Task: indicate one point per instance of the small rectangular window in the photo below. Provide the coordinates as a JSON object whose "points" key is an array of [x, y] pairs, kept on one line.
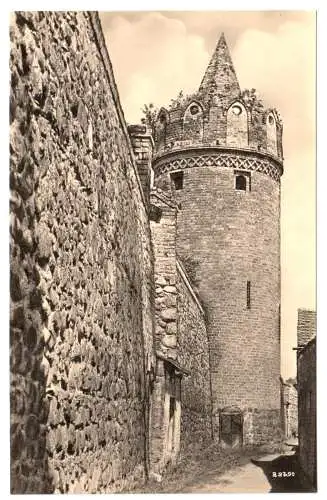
{"points": [[242, 180], [177, 178], [248, 294]]}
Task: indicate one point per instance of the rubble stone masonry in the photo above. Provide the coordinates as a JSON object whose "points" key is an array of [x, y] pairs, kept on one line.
{"points": [[181, 339], [289, 409], [193, 354], [81, 261]]}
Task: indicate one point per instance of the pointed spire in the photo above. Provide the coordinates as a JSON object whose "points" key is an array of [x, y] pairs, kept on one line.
{"points": [[220, 78]]}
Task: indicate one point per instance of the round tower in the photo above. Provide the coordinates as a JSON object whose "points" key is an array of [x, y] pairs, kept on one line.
{"points": [[220, 151]]}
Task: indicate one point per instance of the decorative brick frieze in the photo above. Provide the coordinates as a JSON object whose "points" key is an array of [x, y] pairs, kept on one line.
{"points": [[193, 158]]}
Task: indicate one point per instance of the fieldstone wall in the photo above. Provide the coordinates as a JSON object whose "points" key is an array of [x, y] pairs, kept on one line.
{"points": [[163, 231], [81, 264], [181, 345], [261, 426], [193, 354], [289, 410]]}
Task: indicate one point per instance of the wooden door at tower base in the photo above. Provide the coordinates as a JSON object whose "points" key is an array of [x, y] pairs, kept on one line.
{"points": [[231, 430]]}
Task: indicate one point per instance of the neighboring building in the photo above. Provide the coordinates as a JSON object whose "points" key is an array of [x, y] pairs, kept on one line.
{"points": [[306, 385], [289, 410], [220, 152], [145, 271]]}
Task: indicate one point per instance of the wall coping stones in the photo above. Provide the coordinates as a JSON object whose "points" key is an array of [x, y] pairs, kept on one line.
{"points": [[141, 131], [184, 277]]}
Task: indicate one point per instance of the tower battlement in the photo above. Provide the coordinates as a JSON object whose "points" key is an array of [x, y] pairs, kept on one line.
{"points": [[219, 114]]}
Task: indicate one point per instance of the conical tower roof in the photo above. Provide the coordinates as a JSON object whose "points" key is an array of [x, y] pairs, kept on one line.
{"points": [[220, 78]]}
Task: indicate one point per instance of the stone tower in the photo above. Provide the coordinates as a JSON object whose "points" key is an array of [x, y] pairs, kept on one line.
{"points": [[220, 151]]}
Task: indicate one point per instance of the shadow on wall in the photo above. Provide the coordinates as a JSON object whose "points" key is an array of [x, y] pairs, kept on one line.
{"points": [[28, 403], [293, 482]]}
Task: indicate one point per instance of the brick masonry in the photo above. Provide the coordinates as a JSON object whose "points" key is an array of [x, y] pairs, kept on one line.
{"points": [[219, 114], [233, 237], [142, 143], [230, 239], [81, 261], [306, 326]]}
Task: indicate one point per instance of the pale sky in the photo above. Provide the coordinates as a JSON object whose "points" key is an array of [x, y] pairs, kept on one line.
{"points": [[157, 54]]}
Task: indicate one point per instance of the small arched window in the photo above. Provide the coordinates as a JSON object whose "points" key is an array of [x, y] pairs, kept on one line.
{"points": [[271, 134], [240, 182], [193, 123], [237, 125]]}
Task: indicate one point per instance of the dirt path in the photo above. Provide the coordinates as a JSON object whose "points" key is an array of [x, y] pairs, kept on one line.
{"points": [[248, 478], [213, 470], [257, 476]]}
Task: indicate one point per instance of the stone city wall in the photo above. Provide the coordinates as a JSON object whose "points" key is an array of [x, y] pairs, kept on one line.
{"points": [[163, 231], [193, 354], [81, 322]]}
